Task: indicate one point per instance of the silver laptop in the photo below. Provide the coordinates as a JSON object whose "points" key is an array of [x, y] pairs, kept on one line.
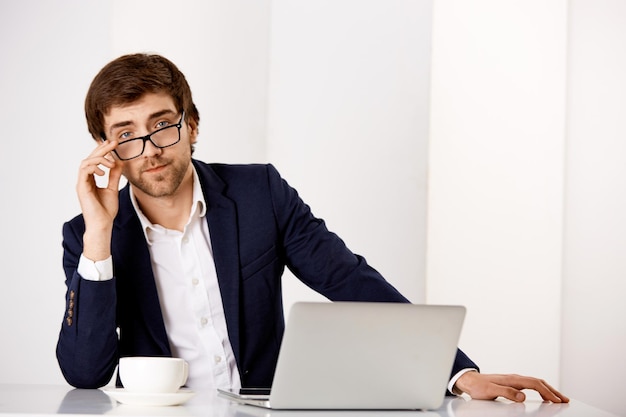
{"points": [[357, 355]]}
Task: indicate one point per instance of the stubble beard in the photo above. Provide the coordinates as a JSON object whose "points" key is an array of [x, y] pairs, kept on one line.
{"points": [[163, 184]]}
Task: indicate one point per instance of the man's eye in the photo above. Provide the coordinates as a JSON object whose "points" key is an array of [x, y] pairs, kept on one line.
{"points": [[125, 135], [162, 124]]}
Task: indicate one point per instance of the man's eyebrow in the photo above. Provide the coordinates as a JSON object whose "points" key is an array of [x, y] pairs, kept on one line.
{"points": [[120, 124], [153, 116], [160, 113]]}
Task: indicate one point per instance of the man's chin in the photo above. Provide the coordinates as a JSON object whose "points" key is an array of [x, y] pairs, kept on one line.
{"points": [[156, 187]]}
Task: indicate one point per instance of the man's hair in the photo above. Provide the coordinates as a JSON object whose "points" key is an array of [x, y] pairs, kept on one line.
{"points": [[126, 79]]}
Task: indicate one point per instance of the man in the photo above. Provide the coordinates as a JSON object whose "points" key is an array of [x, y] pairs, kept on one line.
{"points": [[186, 260]]}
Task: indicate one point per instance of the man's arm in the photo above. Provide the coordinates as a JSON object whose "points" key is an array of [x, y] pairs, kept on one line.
{"points": [[318, 257], [321, 259], [87, 346]]}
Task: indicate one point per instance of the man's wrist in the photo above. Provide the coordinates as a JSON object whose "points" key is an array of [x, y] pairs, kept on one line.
{"points": [[452, 384], [97, 244], [95, 270]]}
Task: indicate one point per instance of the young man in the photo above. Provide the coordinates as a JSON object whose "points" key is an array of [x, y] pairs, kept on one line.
{"points": [[186, 260]]}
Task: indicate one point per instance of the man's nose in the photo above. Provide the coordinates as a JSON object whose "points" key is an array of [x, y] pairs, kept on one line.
{"points": [[150, 149]]}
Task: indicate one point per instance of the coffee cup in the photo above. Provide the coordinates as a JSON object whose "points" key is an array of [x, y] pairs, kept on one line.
{"points": [[144, 374]]}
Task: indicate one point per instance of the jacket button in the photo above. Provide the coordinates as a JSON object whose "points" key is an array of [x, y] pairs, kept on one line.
{"points": [[69, 321]]}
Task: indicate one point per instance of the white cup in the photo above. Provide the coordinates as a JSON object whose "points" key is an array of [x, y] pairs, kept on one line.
{"points": [[144, 374]]}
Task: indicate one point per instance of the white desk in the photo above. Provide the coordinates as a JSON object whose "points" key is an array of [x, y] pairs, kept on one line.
{"points": [[51, 400]]}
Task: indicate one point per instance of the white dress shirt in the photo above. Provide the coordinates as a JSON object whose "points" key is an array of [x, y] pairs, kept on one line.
{"points": [[191, 303]]}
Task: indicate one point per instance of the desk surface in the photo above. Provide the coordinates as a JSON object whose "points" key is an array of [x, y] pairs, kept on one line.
{"points": [[50, 400]]}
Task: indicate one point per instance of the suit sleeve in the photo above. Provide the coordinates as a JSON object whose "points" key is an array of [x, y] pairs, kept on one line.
{"points": [[318, 257], [321, 260], [87, 346]]}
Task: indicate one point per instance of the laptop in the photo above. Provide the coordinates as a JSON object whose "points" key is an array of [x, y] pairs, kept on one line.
{"points": [[361, 356]]}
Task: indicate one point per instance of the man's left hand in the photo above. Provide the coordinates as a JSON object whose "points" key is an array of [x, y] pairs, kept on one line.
{"points": [[491, 386]]}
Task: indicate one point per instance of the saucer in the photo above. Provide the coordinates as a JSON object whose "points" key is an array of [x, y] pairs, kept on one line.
{"points": [[149, 399]]}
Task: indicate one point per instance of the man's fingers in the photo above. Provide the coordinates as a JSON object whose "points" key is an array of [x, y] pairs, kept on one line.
{"points": [[547, 392], [496, 390], [103, 150], [550, 394], [115, 173], [99, 157], [513, 394]]}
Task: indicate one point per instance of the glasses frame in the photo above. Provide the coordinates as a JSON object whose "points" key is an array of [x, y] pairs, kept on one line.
{"points": [[148, 137]]}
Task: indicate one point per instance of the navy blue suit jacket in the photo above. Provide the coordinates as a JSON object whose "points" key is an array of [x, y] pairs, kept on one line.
{"points": [[258, 226]]}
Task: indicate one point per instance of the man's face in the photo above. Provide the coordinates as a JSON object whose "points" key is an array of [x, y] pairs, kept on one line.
{"points": [[158, 172]]}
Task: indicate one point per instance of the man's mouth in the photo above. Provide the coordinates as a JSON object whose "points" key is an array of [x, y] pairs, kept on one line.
{"points": [[155, 169]]}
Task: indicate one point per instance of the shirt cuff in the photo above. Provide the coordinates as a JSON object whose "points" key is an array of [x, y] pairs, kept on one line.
{"points": [[454, 390], [95, 270]]}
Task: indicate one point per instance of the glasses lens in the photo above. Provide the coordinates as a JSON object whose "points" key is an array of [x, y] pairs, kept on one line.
{"points": [[166, 136], [163, 138], [130, 149]]}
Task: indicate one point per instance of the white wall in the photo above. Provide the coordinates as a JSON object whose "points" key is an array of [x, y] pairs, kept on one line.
{"points": [[496, 163], [348, 125], [526, 172], [49, 55], [594, 324]]}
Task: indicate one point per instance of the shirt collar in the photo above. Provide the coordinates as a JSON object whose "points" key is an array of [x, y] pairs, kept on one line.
{"points": [[198, 208]]}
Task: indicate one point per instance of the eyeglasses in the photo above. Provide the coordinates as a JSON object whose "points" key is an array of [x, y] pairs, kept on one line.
{"points": [[161, 138]]}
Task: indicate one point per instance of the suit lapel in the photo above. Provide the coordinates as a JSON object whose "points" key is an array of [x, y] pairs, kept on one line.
{"points": [[222, 221], [139, 297]]}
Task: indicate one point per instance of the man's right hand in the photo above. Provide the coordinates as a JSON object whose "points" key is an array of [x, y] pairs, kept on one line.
{"points": [[99, 205]]}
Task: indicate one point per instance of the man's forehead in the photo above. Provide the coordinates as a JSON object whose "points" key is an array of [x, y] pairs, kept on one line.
{"points": [[141, 110]]}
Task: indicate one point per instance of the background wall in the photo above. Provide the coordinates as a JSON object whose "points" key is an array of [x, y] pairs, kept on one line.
{"points": [[49, 52], [594, 267], [496, 167], [348, 125], [470, 150]]}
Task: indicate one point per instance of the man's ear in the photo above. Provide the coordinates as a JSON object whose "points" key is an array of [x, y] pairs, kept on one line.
{"points": [[193, 131]]}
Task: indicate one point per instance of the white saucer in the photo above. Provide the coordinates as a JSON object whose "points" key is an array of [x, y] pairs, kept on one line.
{"points": [[149, 399]]}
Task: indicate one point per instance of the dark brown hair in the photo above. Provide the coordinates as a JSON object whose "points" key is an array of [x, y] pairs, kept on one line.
{"points": [[127, 79]]}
